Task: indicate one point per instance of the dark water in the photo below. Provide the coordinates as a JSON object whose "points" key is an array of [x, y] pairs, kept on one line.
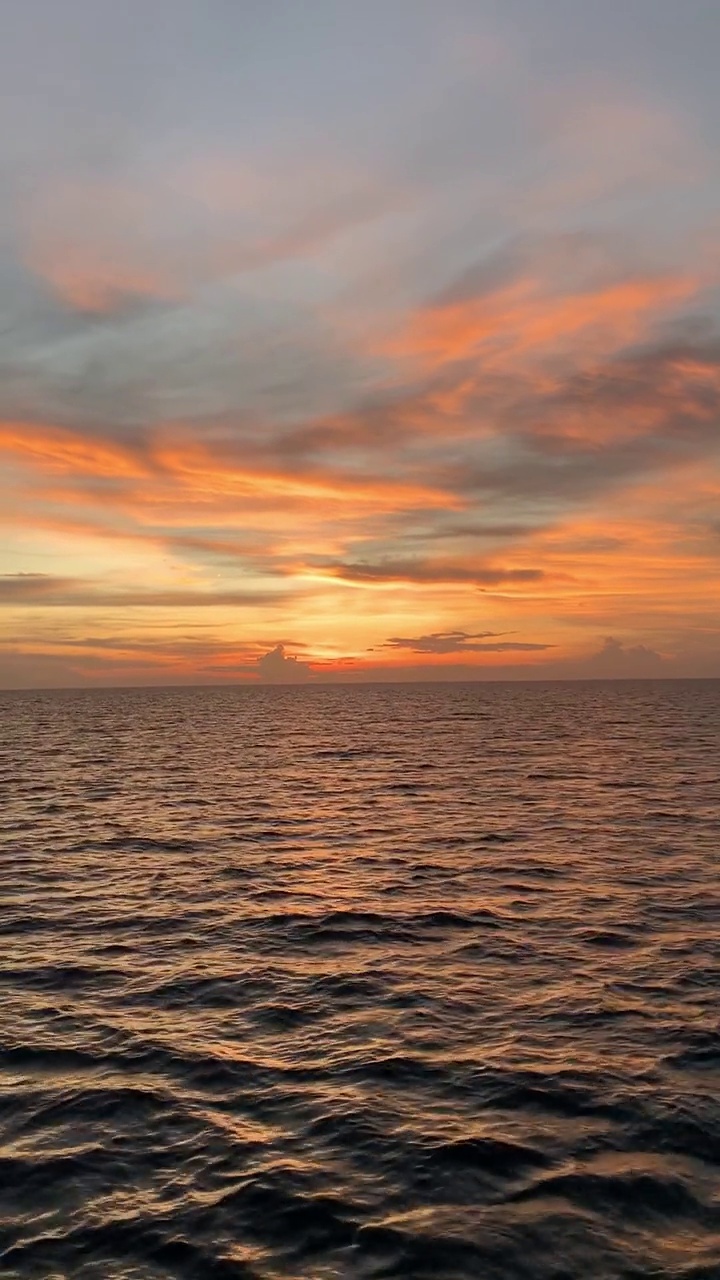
{"points": [[352, 982]]}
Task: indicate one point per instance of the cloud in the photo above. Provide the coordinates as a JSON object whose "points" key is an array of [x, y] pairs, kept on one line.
{"points": [[103, 245], [281, 668], [34, 588], [42, 589], [66, 451], [94, 284], [62, 664], [510, 415], [545, 305], [417, 571], [615, 659], [519, 396], [186, 464], [460, 642]]}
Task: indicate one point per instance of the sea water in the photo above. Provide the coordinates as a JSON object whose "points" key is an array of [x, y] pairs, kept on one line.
{"points": [[361, 981]]}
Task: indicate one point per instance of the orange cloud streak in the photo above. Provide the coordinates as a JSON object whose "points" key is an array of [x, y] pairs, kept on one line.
{"points": [[58, 450], [522, 318], [202, 470], [177, 479]]}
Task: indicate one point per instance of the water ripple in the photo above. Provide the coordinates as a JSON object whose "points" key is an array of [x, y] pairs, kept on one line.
{"points": [[373, 982]]}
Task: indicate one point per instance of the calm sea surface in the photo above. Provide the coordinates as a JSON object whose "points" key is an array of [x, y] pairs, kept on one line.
{"points": [[402, 981]]}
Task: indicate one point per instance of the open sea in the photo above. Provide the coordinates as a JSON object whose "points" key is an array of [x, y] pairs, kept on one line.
{"points": [[361, 981]]}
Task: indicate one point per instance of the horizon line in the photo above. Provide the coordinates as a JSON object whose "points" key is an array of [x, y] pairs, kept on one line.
{"points": [[355, 684]]}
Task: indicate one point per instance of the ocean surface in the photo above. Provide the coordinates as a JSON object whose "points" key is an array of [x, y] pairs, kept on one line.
{"points": [[373, 981]]}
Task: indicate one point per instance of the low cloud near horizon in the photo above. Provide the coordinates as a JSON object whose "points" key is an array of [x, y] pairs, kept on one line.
{"points": [[278, 666], [87, 662], [461, 642]]}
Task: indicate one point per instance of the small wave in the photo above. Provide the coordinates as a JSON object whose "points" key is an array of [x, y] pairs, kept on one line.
{"points": [[614, 939], [637, 1195], [360, 983], [491, 1155]]}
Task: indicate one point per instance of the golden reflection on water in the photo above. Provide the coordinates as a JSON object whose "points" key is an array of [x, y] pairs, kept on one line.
{"points": [[414, 981]]}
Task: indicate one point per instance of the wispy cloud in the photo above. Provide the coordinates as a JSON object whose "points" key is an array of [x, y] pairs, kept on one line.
{"points": [[103, 247], [44, 590], [528, 317], [439, 363], [461, 642], [438, 574]]}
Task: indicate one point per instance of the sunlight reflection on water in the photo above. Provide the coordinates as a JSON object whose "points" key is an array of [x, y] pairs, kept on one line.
{"points": [[406, 980]]}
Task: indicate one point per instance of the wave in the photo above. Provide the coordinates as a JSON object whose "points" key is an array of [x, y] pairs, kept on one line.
{"points": [[358, 984]]}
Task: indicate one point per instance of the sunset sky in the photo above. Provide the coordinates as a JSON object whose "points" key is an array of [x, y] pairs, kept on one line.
{"points": [[359, 340]]}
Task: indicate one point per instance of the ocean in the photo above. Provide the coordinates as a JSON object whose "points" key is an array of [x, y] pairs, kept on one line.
{"points": [[361, 981]]}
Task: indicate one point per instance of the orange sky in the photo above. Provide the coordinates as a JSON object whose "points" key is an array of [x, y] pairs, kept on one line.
{"points": [[436, 398]]}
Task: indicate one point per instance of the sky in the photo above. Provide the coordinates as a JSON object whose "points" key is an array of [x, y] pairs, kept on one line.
{"points": [[350, 341]]}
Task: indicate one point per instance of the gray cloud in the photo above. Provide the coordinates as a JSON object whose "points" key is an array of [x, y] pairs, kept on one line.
{"points": [[460, 642], [423, 572], [553, 443], [44, 590], [203, 265], [35, 588], [279, 667], [616, 659]]}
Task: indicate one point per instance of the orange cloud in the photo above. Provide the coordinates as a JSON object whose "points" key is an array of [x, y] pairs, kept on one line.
{"points": [[88, 240], [431, 573], [197, 472], [526, 318], [203, 470], [650, 561], [92, 281], [100, 245], [179, 494], [60, 450]]}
